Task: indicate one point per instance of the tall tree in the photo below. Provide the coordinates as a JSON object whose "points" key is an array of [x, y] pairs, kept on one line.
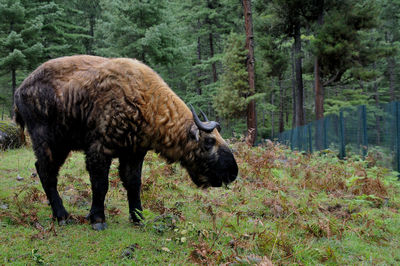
{"points": [[92, 12], [274, 53], [137, 29], [390, 29], [250, 62], [343, 45], [289, 20], [230, 101], [319, 89], [208, 23], [19, 45]]}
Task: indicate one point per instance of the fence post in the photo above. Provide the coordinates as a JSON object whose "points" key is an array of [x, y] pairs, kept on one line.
{"points": [[397, 137], [291, 139], [364, 130], [309, 138], [342, 146]]}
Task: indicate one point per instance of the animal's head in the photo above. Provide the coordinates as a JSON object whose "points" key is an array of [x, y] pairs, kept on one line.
{"points": [[210, 161]]}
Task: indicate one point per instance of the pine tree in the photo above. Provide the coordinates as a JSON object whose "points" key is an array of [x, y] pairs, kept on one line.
{"points": [[19, 44], [230, 101], [274, 54], [390, 31], [289, 19], [88, 13], [137, 29], [344, 46], [207, 23]]}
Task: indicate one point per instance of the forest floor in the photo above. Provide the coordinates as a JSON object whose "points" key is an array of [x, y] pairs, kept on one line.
{"points": [[285, 208]]}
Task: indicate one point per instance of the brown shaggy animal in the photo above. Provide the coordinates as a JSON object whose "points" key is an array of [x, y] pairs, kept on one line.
{"points": [[114, 108]]}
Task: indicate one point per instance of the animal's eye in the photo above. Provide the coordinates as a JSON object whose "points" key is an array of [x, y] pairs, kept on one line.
{"points": [[209, 143]]}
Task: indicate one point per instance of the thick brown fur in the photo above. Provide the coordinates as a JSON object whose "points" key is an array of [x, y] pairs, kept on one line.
{"points": [[111, 108]]}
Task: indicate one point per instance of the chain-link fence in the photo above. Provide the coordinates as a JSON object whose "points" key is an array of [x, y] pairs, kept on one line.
{"points": [[373, 130]]}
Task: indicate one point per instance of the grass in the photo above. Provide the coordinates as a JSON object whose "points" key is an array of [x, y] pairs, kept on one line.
{"points": [[285, 208]]}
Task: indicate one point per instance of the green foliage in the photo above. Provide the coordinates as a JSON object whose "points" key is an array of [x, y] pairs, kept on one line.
{"points": [[346, 98], [231, 95], [11, 41], [137, 29], [186, 42], [275, 56]]}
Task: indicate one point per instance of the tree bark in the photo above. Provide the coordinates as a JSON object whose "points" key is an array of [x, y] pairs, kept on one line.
{"points": [[294, 122], [281, 104], [319, 89], [213, 65], [300, 120], [251, 107], [92, 23], [13, 86], [377, 118], [272, 116], [319, 92], [199, 74], [391, 65]]}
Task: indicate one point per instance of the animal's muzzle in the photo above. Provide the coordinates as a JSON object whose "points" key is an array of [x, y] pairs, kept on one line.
{"points": [[228, 169]]}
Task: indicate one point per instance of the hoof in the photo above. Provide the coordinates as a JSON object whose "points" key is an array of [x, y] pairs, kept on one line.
{"points": [[99, 226], [136, 223], [136, 219], [65, 221]]}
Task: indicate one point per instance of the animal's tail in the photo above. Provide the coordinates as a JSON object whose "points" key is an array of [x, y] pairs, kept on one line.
{"points": [[18, 118], [20, 122]]}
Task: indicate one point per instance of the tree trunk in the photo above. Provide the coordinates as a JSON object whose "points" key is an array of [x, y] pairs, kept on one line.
{"points": [[213, 65], [391, 65], [319, 90], [281, 104], [199, 74], [92, 23], [13, 86], [377, 118], [294, 122], [300, 121], [319, 93], [272, 116], [251, 107]]}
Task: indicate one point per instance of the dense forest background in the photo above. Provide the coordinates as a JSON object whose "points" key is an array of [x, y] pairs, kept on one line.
{"points": [[311, 57]]}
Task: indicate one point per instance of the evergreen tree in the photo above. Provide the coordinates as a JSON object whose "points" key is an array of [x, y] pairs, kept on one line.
{"points": [[90, 11], [289, 19], [19, 44], [274, 54], [390, 32], [344, 45], [207, 25], [137, 29], [230, 101]]}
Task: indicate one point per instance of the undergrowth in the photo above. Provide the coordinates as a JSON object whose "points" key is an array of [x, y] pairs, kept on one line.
{"points": [[284, 208]]}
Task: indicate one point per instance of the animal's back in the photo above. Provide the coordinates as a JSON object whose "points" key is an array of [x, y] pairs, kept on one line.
{"points": [[39, 91], [80, 97], [52, 97]]}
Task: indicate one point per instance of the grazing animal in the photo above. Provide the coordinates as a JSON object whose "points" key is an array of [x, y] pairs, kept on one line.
{"points": [[114, 108]]}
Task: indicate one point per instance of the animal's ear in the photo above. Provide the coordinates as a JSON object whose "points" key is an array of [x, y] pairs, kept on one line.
{"points": [[194, 132]]}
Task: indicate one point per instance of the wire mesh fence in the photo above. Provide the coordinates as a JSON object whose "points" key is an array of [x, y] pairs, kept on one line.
{"points": [[362, 130]]}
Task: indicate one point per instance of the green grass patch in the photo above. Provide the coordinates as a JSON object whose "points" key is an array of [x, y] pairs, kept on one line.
{"points": [[285, 208]]}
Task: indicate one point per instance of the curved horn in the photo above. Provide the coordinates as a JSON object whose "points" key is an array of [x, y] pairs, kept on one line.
{"points": [[202, 126], [204, 116]]}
